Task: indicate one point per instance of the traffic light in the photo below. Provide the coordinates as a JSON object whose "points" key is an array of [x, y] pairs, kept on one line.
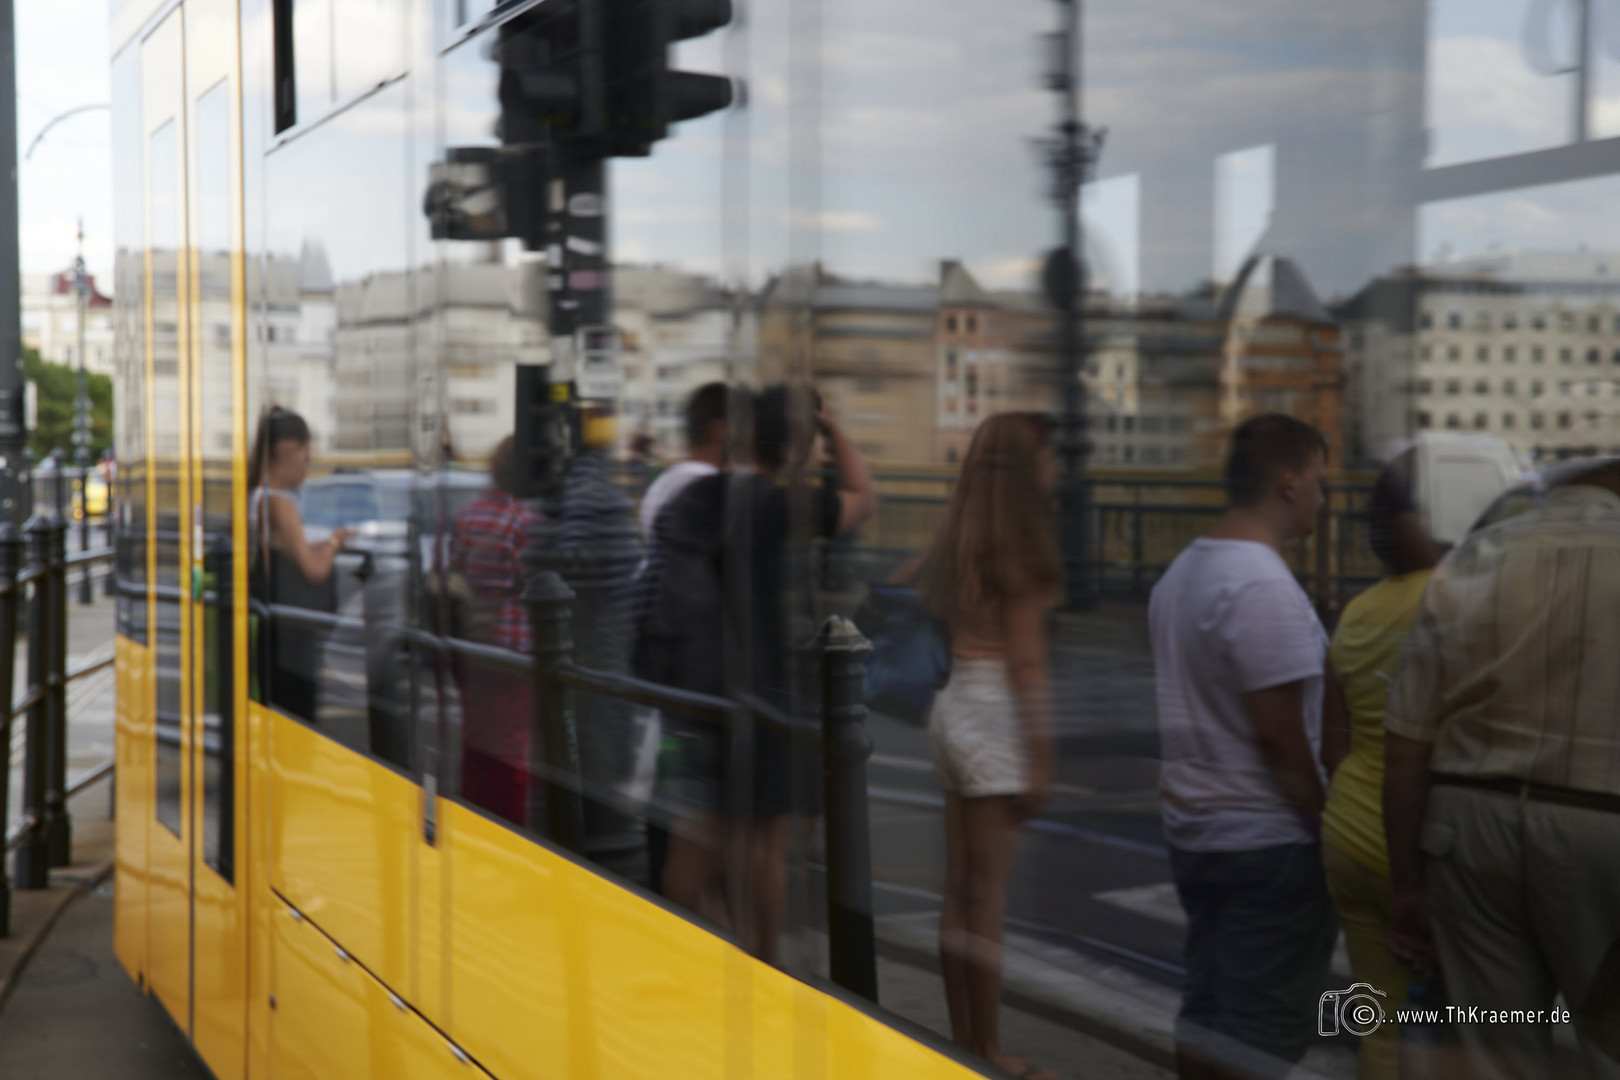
{"points": [[642, 96], [488, 192], [545, 431]]}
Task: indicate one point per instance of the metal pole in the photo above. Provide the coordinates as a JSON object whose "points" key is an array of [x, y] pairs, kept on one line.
{"points": [[1073, 152], [81, 418], [10, 556], [33, 870], [846, 746], [13, 435], [553, 740], [58, 825]]}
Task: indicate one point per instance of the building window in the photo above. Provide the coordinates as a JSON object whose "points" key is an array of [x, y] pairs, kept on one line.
{"points": [[1481, 386], [1152, 425], [1425, 386], [1616, 357], [1453, 387], [1566, 321], [1130, 452], [1536, 388], [1565, 356], [1593, 325], [1510, 321], [973, 324], [1535, 421], [972, 384], [1507, 421], [1593, 356], [1454, 321], [1510, 355], [1481, 422], [1563, 420], [1423, 419], [1482, 321], [1426, 320], [1113, 422], [1453, 353], [1453, 421], [950, 324], [1130, 424], [1482, 354], [1538, 355], [950, 365], [950, 455], [1538, 322], [1509, 387]]}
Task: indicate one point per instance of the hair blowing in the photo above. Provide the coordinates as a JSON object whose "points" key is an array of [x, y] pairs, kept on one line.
{"points": [[996, 541], [275, 425]]}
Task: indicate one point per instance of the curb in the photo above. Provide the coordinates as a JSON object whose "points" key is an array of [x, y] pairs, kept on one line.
{"points": [[68, 883]]}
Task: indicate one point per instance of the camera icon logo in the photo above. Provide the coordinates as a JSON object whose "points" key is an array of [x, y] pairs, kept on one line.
{"points": [[1358, 1009]]}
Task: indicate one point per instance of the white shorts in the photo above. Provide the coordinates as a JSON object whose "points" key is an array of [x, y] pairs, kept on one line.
{"points": [[977, 741]]}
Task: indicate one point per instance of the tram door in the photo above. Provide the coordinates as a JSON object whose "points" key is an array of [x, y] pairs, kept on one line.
{"points": [[196, 907]]}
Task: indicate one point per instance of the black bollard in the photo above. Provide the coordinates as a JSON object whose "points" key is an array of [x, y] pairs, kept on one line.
{"points": [[33, 869], [11, 550], [58, 824], [846, 746], [554, 770]]}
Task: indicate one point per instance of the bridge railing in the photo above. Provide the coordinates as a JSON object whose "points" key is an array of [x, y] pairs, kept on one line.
{"points": [[34, 572]]}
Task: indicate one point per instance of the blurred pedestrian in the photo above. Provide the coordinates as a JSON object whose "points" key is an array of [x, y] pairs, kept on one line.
{"points": [[487, 540], [1502, 781], [284, 568], [1362, 661], [712, 619], [705, 452], [991, 574], [1238, 653]]}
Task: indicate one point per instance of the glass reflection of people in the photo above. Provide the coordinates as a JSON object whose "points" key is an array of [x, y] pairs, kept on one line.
{"points": [[286, 569], [991, 574], [486, 553], [742, 522], [1238, 654], [1502, 782], [1362, 661]]}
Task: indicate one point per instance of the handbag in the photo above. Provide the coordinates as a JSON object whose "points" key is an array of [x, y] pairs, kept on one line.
{"points": [[911, 653]]}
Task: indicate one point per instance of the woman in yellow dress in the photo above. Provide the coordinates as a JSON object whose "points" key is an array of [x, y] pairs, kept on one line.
{"points": [[1362, 660]]}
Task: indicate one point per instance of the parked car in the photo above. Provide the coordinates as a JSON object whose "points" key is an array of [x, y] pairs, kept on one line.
{"points": [[365, 673], [1532, 489], [1455, 476]]}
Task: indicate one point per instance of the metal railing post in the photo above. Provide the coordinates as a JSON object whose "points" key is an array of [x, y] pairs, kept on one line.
{"points": [[110, 525], [10, 557], [846, 746], [85, 594], [58, 825], [33, 869], [553, 738]]}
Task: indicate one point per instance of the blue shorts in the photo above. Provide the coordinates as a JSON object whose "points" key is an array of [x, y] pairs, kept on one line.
{"points": [[1260, 934]]}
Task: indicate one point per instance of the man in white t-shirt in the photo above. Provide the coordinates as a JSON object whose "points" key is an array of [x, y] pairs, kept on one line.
{"points": [[705, 453], [1238, 653]]}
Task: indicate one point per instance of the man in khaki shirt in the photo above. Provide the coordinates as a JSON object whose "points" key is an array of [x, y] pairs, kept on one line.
{"points": [[1502, 782]]}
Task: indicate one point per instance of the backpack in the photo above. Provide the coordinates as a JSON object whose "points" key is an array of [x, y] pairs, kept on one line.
{"points": [[911, 653]]}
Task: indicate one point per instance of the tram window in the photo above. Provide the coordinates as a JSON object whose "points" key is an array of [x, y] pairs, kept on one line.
{"points": [[215, 438], [129, 347], [339, 658], [163, 237]]}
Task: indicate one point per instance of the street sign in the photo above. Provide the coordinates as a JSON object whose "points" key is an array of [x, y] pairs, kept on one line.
{"points": [[598, 375]]}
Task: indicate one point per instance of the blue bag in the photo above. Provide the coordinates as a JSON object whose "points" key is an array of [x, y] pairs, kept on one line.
{"points": [[911, 653]]}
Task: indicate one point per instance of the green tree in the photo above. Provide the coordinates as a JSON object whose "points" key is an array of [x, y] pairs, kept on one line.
{"points": [[56, 386]]}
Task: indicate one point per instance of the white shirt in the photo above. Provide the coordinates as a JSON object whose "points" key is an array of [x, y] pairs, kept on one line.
{"points": [[668, 485], [1226, 619]]}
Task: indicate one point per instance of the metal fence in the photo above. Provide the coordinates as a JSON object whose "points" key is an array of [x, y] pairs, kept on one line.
{"points": [[34, 572], [1139, 524]]}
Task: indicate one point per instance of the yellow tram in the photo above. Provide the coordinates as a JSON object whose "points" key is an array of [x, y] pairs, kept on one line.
{"points": [[300, 904]]}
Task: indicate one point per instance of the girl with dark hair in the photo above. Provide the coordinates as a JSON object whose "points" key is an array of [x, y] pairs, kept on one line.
{"points": [[991, 574], [285, 568]]}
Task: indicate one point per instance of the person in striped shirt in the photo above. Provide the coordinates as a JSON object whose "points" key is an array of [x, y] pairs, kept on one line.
{"points": [[1502, 780]]}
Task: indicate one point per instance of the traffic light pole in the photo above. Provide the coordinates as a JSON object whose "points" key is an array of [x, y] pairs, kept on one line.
{"points": [[13, 434], [1072, 154]]}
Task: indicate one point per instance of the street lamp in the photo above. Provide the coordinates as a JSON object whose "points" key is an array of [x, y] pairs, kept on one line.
{"points": [[1070, 154], [81, 415]]}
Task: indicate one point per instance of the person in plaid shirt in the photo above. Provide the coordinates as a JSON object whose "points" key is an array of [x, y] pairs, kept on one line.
{"points": [[486, 552]]}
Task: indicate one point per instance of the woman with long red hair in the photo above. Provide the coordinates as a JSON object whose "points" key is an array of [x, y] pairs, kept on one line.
{"points": [[991, 574]]}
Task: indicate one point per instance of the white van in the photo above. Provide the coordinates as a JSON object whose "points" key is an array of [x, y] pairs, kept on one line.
{"points": [[1456, 475]]}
